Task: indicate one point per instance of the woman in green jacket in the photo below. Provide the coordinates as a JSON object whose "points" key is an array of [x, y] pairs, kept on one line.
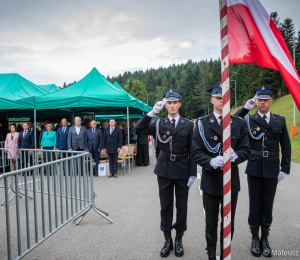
{"points": [[48, 142]]}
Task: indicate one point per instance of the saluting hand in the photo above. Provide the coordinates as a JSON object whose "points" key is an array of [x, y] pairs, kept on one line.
{"points": [[251, 103], [159, 106]]}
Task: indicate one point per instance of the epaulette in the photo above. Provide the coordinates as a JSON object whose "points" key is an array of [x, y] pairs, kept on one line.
{"points": [[238, 117], [188, 120], [203, 117]]}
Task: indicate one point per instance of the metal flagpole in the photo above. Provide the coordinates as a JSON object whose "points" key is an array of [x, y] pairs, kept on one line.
{"points": [[293, 128], [226, 132], [34, 128], [128, 140]]}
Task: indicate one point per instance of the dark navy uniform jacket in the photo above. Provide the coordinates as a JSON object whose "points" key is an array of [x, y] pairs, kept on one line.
{"points": [[182, 144], [275, 133], [212, 179]]}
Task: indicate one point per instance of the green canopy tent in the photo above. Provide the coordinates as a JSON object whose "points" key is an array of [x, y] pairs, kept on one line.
{"points": [[92, 95], [17, 92], [50, 88]]}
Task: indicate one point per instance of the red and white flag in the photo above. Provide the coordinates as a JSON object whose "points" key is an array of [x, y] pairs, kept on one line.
{"points": [[253, 37]]}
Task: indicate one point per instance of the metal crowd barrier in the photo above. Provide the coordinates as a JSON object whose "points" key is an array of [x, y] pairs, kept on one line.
{"points": [[62, 190], [4, 162]]}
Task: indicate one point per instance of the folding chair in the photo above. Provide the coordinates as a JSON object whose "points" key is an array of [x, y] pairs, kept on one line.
{"points": [[103, 156], [134, 152], [130, 153], [122, 158]]}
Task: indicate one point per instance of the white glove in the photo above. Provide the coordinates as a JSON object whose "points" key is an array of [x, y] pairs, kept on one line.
{"points": [[191, 181], [159, 106], [217, 162], [250, 103], [281, 175], [233, 155]]}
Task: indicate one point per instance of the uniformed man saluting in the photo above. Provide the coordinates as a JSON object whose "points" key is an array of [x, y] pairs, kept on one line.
{"points": [[266, 131], [207, 152], [174, 168]]}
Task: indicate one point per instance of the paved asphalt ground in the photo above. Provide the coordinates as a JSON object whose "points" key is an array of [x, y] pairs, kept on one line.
{"points": [[133, 205]]}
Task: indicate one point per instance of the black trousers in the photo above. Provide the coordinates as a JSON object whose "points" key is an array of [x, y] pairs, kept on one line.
{"points": [[113, 162], [211, 204], [261, 199], [96, 157], [166, 195]]}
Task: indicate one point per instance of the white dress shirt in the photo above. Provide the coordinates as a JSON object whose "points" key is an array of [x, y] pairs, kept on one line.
{"points": [[176, 119], [217, 116], [267, 115], [77, 129]]}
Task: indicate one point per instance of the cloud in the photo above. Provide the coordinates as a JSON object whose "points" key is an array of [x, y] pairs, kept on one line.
{"points": [[57, 41]]}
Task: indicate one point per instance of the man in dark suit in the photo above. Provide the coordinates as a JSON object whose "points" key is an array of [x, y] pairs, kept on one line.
{"points": [[34, 130], [26, 141], [112, 145], [102, 129], [77, 136], [175, 169], [207, 151], [93, 142], [62, 136], [264, 170]]}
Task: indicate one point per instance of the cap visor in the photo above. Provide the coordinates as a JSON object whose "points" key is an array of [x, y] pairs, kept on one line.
{"points": [[264, 97], [173, 99]]}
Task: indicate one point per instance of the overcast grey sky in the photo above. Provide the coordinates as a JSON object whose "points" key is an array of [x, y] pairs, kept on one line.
{"points": [[56, 41]]}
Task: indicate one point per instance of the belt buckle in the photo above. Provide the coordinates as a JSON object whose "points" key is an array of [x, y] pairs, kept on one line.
{"points": [[173, 157], [265, 154]]}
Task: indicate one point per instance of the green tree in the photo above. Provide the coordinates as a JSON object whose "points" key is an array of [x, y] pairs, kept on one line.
{"points": [[137, 89]]}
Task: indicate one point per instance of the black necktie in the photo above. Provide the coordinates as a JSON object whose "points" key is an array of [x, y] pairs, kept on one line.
{"points": [[265, 118], [173, 123], [221, 122]]}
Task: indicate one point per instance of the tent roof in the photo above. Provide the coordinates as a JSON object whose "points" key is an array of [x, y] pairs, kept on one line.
{"points": [[17, 92], [94, 90], [50, 87]]}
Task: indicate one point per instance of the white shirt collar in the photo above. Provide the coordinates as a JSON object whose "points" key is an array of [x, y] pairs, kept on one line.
{"points": [[267, 115], [216, 115], [77, 126], [176, 119]]}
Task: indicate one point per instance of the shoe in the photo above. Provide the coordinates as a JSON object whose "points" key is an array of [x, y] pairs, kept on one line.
{"points": [[264, 243], [116, 176], [255, 248], [110, 176], [178, 244], [211, 252], [168, 245]]}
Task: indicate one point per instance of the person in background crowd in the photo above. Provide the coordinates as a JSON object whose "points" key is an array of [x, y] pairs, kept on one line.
{"points": [[31, 128], [142, 154], [123, 133], [93, 142], [3, 128], [104, 126], [48, 141], [126, 133], [133, 136], [26, 141], [19, 128], [62, 136], [77, 136], [112, 146], [43, 129], [11, 143]]}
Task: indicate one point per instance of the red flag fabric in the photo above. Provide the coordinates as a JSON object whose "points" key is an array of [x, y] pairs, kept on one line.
{"points": [[253, 37]]}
